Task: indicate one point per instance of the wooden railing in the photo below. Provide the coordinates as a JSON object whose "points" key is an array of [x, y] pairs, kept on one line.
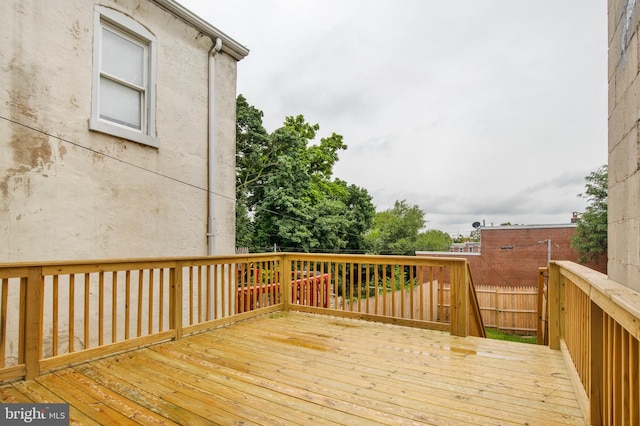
{"points": [[55, 314], [596, 323]]}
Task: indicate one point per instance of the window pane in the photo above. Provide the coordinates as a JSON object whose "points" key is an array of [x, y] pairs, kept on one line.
{"points": [[120, 104], [122, 58]]}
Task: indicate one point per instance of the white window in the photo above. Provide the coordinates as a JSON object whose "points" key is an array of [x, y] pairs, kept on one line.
{"points": [[123, 97]]}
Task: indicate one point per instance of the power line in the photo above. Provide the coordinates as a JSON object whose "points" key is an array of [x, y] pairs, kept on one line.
{"points": [[128, 163]]}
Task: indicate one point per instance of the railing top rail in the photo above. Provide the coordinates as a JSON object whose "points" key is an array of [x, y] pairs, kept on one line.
{"points": [[618, 301], [234, 258], [375, 258]]}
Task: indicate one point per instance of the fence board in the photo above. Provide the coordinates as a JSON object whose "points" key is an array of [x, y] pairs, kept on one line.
{"points": [[508, 309]]}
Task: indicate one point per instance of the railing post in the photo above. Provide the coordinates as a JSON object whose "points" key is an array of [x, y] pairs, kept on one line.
{"points": [[33, 320], [285, 290], [540, 306], [459, 300], [175, 301], [556, 306]]}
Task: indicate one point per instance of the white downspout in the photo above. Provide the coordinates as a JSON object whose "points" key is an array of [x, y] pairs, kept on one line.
{"points": [[211, 221]]}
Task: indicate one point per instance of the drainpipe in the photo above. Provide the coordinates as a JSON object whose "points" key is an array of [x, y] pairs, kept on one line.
{"points": [[211, 221]]}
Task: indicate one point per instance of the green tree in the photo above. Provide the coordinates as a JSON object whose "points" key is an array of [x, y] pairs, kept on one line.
{"points": [[397, 231], [285, 192], [433, 240], [590, 237]]}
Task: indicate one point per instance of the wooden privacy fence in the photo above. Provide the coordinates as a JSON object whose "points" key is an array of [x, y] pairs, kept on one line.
{"points": [[595, 322], [509, 309], [54, 314]]}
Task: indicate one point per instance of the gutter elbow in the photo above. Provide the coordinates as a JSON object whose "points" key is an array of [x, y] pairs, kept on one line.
{"points": [[217, 45]]}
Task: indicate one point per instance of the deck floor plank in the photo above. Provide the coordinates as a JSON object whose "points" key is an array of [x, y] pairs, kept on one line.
{"points": [[162, 408], [85, 403], [441, 392], [38, 393], [212, 388], [295, 368], [393, 404], [418, 360]]}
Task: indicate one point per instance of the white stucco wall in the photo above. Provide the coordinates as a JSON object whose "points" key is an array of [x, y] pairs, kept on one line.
{"points": [[70, 193]]}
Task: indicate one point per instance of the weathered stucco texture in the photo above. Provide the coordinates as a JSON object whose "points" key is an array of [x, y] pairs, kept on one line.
{"points": [[70, 193], [624, 153]]}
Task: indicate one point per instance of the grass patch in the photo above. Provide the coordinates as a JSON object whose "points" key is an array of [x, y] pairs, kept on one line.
{"points": [[492, 333]]}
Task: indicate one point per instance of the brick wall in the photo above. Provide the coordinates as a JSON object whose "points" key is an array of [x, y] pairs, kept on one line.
{"points": [[511, 255]]}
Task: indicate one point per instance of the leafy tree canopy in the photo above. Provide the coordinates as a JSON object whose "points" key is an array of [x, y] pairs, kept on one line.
{"points": [[285, 193], [590, 237], [397, 231]]}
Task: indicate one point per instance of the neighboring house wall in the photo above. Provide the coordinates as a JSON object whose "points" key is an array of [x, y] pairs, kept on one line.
{"points": [[624, 143], [67, 192], [511, 255]]}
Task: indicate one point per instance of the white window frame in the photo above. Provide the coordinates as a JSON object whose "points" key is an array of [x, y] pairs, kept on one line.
{"points": [[114, 20]]}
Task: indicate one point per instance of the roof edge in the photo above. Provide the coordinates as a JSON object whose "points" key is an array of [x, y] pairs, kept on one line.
{"points": [[229, 45], [503, 227]]}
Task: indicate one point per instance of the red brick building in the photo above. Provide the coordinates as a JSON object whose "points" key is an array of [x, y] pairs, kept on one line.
{"points": [[511, 255]]}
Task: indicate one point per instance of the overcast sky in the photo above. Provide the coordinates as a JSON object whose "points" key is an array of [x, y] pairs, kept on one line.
{"points": [[474, 110]]}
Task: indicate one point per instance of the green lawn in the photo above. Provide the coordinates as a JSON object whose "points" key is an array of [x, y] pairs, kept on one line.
{"points": [[492, 333]]}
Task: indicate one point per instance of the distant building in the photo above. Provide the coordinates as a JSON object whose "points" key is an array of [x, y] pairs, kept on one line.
{"points": [[466, 247], [511, 255]]}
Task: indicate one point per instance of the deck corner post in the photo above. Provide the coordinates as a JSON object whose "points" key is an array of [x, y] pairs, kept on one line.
{"points": [[459, 300], [555, 309], [175, 301], [32, 321]]}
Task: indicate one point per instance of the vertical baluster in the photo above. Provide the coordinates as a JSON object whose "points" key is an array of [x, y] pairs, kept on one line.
{"points": [[87, 293], [55, 317], [190, 295], [101, 308], [239, 288], [114, 306], [421, 315], [441, 316], [72, 297], [376, 289], [393, 289], [4, 284], [383, 277], [227, 300], [253, 284], [411, 289], [151, 290], [634, 382], [432, 301], [140, 300], [127, 305], [208, 292], [199, 271], [215, 293], [161, 301]]}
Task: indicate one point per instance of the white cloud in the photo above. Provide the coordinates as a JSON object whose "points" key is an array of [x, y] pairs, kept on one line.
{"points": [[473, 109]]}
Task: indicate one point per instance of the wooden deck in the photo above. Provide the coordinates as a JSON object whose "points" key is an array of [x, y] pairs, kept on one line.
{"points": [[295, 368]]}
